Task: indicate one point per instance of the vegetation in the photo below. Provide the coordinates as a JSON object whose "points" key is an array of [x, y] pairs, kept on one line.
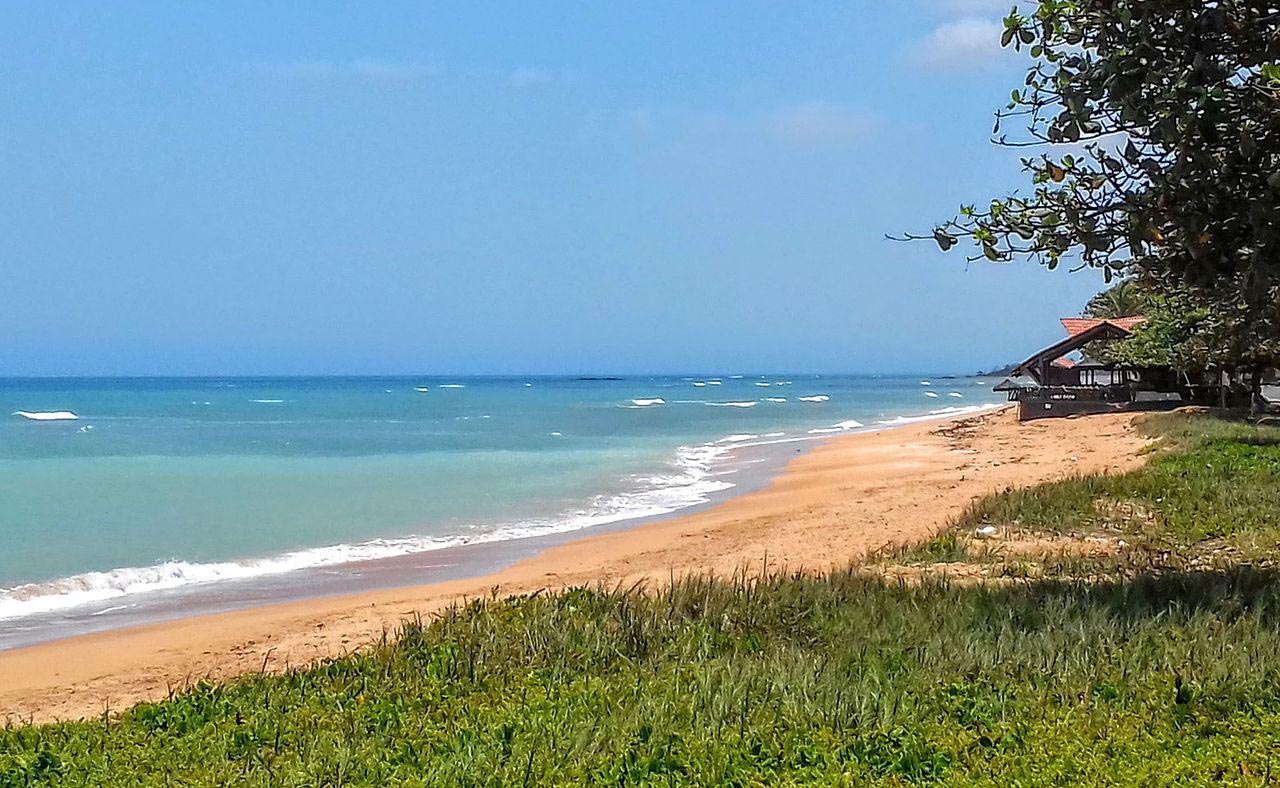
{"points": [[1125, 298], [1160, 124], [1151, 665]]}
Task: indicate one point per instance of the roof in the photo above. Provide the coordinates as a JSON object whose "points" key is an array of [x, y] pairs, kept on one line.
{"points": [[1078, 325], [1100, 329], [1064, 363]]}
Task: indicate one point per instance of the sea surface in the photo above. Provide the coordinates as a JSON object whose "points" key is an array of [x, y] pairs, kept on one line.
{"points": [[113, 490]]}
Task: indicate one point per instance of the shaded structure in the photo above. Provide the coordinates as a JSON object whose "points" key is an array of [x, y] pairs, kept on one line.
{"points": [[1062, 380]]}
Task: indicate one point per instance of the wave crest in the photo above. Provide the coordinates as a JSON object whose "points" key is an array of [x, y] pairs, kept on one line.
{"points": [[46, 415]]}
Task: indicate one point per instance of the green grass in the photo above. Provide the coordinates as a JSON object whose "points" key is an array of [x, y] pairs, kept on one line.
{"points": [[1211, 485], [1163, 675]]}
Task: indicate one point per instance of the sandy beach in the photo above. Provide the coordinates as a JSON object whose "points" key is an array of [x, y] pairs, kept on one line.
{"points": [[829, 506]]}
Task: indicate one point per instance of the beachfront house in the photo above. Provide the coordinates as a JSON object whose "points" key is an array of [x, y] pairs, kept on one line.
{"points": [[1062, 380]]}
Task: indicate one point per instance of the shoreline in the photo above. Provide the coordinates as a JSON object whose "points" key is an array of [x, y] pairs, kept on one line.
{"points": [[847, 495], [732, 468]]}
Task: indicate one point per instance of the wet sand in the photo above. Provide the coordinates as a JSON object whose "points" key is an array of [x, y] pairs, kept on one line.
{"points": [[828, 507]]}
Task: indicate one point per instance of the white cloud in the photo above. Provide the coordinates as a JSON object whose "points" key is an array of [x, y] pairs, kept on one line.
{"points": [[962, 44], [819, 124]]}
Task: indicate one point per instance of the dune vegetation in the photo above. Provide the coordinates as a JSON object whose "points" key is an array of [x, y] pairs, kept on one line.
{"points": [[1106, 630]]}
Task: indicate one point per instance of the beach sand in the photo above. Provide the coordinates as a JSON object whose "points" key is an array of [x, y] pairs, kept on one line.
{"points": [[828, 507]]}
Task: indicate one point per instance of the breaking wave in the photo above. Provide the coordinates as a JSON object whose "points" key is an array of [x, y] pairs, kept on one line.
{"points": [[46, 415]]}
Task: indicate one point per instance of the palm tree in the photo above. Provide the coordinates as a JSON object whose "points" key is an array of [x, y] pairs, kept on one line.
{"points": [[1123, 299]]}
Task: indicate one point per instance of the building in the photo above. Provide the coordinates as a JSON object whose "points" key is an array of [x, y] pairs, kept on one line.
{"points": [[1062, 380]]}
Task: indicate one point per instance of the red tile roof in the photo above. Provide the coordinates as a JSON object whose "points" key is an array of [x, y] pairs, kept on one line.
{"points": [[1078, 325], [1064, 363]]}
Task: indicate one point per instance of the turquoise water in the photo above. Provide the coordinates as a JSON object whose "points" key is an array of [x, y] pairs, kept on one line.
{"points": [[157, 483]]}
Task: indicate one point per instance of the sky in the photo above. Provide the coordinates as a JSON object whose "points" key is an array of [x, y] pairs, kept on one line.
{"points": [[243, 188]]}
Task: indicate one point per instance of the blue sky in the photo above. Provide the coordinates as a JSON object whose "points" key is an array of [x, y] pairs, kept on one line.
{"points": [[313, 188]]}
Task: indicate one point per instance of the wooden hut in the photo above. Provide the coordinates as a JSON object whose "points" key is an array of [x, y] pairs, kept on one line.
{"points": [[1061, 380]]}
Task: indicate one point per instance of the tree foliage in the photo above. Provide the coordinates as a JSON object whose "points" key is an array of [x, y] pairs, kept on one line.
{"points": [[1177, 331], [1183, 329], [1125, 298], [1160, 121]]}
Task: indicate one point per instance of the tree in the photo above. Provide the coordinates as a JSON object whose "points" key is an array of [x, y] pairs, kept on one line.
{"points": [[1160, 121], [1122, 299], [1177, 331]]}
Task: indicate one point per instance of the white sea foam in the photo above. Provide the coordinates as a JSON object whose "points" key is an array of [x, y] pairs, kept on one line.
{"points": [[750, 404], [648, 403], [815, 398], [931, 394], [940, 413], [699, 383], [689, 481], [421, 389], [111, 609], [764, 385], [775, 399], [557, 434], [925, 383], [46, 415], [738, 438], [843, 426], [453, 385], [954, 394], [267, 401], [715, 383], [773, 434]]}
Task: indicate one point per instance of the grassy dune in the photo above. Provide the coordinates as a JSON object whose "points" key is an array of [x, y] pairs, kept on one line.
{"points": [[1152, 663]]}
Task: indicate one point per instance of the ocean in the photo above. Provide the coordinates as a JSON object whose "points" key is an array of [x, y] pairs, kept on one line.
{"points": [[118, 493]]}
